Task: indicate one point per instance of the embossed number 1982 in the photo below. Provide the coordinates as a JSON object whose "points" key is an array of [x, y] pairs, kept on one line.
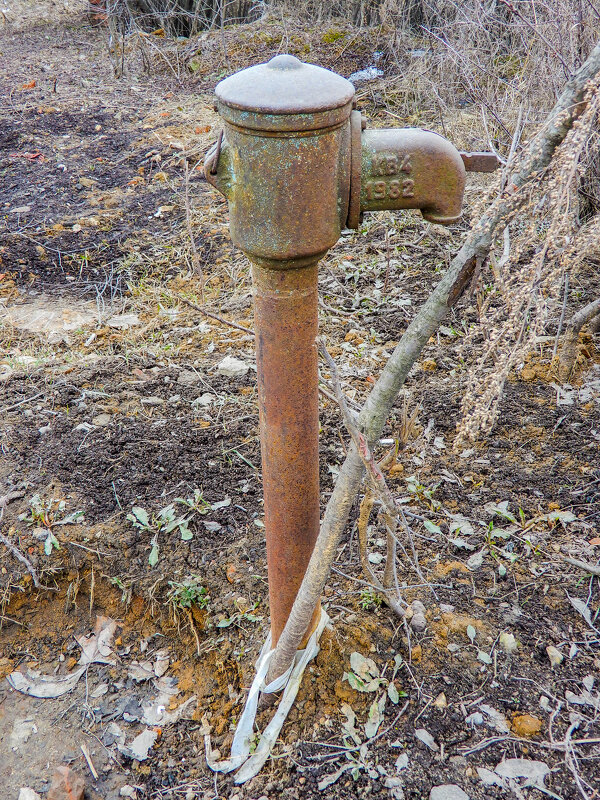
{"points": [[380, 190]]}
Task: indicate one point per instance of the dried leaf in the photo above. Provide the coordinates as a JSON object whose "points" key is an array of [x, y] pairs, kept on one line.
{"points": [[427, 739], [374, 719], [365, 668], [329, 780], [582, 609], [140, 746], [495, 718], [533, 771]]}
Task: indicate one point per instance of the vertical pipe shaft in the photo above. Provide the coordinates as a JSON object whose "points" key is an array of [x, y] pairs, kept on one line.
{"points": [[285, 318]]}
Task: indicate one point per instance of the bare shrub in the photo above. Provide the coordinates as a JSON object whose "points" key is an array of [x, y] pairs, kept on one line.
{"points": [[548, 243], [181, 17]]}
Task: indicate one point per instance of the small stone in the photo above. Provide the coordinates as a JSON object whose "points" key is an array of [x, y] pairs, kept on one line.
{"points": [[128, 791], [416, 653], [441, 701], [203, 401], [401, 762], [448, 791], [526, 725], [84, 426], [429, 365], [66, 785], [554, 654], [45, 429], [123, 321], [418, 621], [231, 367], [102, 420], [188, 377], [25, 793], [508, 643], [476, 718], [152, 401]]}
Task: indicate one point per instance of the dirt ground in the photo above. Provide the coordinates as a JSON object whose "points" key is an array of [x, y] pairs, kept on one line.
{"points": [[112, 398]]}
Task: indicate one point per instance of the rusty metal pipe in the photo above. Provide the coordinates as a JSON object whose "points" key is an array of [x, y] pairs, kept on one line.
{"points": [[285, 318]]}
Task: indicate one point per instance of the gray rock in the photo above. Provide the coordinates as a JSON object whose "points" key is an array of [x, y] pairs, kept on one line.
{"points": [[448, 791], [102, 420], [187, 377], [231, 367]]}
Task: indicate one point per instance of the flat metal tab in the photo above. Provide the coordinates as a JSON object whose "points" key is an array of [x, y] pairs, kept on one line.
{"points": [[480, 162]]}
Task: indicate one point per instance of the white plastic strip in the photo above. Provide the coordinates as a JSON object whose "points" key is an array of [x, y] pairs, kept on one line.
{"points": [[249, 765]]}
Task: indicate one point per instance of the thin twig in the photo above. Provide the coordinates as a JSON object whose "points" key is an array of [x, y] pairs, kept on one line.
{"points": [[19, 555], [377, 487], [562, 315], [593, 569], [212, 315], [188, 224]]}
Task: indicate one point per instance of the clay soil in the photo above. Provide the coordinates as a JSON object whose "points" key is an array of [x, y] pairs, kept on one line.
{"points": [[126, 407]]}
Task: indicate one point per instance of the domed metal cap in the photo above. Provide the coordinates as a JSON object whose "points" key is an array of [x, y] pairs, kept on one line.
{"points": [[285, 94]]}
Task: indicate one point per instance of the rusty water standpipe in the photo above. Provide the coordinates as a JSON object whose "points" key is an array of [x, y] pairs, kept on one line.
{"points": [[296, 167]]}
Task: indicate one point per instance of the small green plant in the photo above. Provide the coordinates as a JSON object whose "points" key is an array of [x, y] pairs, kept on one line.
{"points": [[369, 599], [239, 616], [197, 503], [164, 522], [423, 493], [126, 591], [332, 35], [188, 593], [49, 513], [46, 514]]}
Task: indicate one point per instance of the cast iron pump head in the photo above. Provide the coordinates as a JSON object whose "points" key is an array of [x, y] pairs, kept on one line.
{"points": [[296, 168]]}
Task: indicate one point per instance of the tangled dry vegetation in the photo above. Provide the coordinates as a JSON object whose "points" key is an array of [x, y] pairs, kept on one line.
{"points": [[553, 242]]}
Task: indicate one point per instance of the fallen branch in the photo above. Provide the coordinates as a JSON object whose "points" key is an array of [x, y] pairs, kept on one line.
{"points": [[593, 569], [381, 399], [24, 560], [568, 350]]}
